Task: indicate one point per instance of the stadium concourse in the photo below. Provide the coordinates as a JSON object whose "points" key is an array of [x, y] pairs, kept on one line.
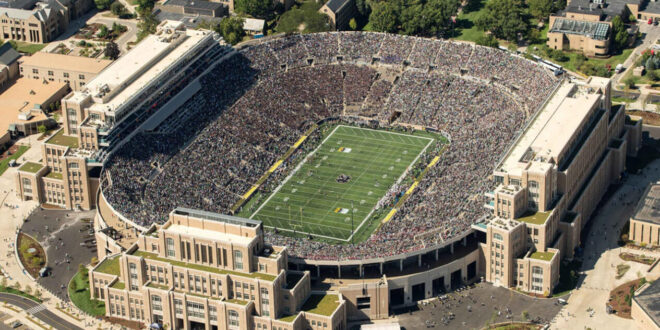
{"points": [[256, 104]]}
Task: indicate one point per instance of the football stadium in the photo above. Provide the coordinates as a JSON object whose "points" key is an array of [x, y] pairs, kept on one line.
{"points": [[346, 145]]}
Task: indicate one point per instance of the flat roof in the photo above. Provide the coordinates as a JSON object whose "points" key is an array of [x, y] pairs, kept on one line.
{"points": [[648, 207], [62, 140], [321, 304], [23, 96], [535, 218], [216, 217], [594, 30], [649, 301], [545, 256], [30, 167], [208, 234], [136, 69], [66, 62], [553, 127]]}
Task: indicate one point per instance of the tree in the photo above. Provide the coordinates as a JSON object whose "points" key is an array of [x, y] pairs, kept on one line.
{"points": [[28, 289], [506, 19], [256, 8], [111, 50], [231, 29], [147, 25], [487, 40], [630, 82], [117, 9], [145, 7], [103, 4], [619, 32], [653, 75], [540, 9], [352, 24], [103, 32], [383, 17], [37, 293], [83, 270], [41, 129], [17, 285], [3, 282], [363, 7], [94, 261], [534, 36]]}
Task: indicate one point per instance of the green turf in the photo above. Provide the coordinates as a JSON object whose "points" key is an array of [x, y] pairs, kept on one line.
{"points": [[377, 159], [4, 164]]}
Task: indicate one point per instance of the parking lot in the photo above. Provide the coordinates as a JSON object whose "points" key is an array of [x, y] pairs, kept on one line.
{"points": [[473, 307], [68, 242]]}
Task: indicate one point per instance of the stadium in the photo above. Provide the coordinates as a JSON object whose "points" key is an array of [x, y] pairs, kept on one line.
{"points": [[346, 145]]}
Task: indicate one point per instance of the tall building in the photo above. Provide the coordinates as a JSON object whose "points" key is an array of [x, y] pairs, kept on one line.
{"points": [[76, 71], [550, 182], [8, 65], [340, 12], [42, 22], [202, 270], [122, 98]]}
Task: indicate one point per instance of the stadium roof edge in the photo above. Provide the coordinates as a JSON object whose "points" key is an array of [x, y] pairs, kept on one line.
{"points": [[216, 217]]}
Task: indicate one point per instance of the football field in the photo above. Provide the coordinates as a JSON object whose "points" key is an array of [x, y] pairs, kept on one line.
{"points": [[342, 180]]}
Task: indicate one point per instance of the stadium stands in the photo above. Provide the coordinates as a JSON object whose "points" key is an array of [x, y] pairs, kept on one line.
{"points": [[253, 106]]}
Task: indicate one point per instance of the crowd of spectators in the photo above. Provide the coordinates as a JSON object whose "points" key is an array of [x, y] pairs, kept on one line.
{"points": [[255, 105]]}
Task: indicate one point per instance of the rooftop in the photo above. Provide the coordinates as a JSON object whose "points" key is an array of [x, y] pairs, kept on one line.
{"points": [[545, 256], [158, 286], [288, 318], [62, 140], [237, 301], [119, 285], [649, 301], [648, 207], [8, 54], [65, 62], [153, 256], [54, 175], [594, 30], [26, 96], [549, 133], [209, 234], [321, 304], [31, 167], [109, 266], [535, 218]]}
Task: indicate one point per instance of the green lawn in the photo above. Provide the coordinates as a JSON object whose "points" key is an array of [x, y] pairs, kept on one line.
{"points": [[109, 266], [536, 218], [31, 167], [321, 304], [545, 256], [25, 47], [62, 140], [11, 290], [352, 168], [79, 295], [4, 164], [465, 27]]}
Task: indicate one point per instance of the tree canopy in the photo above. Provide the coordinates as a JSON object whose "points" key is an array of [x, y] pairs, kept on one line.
{"points": [[304, 18], [413, 17], [103, 4], [506, 19], [256, 8], [541, 9], [231, 29], [111, 50], [384, 16], [619, 32]]}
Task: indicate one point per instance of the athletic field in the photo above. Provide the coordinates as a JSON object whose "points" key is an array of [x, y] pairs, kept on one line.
{"points": [[352, 167]]}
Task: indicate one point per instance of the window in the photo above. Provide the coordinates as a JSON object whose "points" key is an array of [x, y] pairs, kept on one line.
{"points": [[497, 236], [65, 75], [35, 71], [169, 247], [265, 301], [233, 319], [156, 303], [213, 313], [81, 76], [178, 306], [238, 259], [195, 309], [50, 73]]}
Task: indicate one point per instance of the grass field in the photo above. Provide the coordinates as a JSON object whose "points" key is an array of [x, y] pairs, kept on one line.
{"points": [[314, 200]]}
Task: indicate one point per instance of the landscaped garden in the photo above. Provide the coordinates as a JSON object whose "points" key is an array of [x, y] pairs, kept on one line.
{"points": [[79, 294], [31, 254], [642, 259], [13, 153], [621, 297]]}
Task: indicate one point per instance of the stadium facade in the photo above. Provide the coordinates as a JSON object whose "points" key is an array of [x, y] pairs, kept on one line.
{"points": [[110, 108], [551, 181], [202, 269]]}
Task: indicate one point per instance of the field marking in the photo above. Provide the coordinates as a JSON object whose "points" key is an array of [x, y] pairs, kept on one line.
{"points": [[295, 170], [362, 134]]}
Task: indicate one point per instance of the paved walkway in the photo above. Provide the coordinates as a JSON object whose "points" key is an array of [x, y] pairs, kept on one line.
{"points": [[601, 256]]}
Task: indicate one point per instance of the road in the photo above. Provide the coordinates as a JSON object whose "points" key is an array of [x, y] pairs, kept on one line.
{"points": [[38, 310]]}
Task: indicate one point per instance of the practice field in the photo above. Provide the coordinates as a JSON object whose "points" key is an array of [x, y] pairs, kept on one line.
{"points": [[352, 166]]}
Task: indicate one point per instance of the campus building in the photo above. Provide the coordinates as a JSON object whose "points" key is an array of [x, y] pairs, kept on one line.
{"points": [[340, 12], [76, 71], [645, 310], [42, 22], [550, 182], [124, 97], [586, 25], [202, 270], [25, 105], [8, 65], [645, 222]]}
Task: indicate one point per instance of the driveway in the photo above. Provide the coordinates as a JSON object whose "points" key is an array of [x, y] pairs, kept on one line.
{"points": [[38, 310], [474, 307], [67, 242]]}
